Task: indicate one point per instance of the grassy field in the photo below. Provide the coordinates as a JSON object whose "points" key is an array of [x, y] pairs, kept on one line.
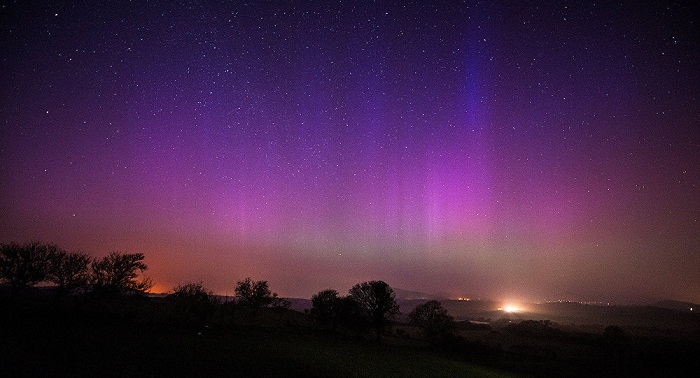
{"points": [[41, 336], [37, 342]]}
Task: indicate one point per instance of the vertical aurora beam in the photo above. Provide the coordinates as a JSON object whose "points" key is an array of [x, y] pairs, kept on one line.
{"points": [[460, 191]]}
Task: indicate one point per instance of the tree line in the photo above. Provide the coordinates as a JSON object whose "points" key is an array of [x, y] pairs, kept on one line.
{"points": [[26, 265], [369, 307]]}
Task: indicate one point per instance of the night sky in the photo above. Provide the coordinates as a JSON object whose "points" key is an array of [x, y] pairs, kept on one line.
{"points": [[510, 150]]}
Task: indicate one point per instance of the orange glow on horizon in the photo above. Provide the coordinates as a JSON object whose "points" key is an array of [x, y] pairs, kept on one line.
{"points": [[511, 308], [158, 289]]}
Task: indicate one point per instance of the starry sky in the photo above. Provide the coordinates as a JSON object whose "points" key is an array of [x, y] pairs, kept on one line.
{"points": [[503, 150]]}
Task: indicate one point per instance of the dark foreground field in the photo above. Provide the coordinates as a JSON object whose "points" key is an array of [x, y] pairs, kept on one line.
{"points": [[136, 338], [54, 341], [119, 349]]}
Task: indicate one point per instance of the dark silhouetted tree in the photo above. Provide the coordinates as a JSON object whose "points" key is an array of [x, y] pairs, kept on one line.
{"points": [[378, 302], [325, 308], [117, 273], [69, 271], [257, 294], [352, 317], [192, 303], [22, 266], [436, 323]]}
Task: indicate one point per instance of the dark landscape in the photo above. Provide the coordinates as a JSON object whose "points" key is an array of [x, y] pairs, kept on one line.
{"points": [[99, 321]]}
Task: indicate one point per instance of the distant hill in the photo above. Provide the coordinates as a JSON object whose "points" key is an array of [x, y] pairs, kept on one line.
{"points": [[407, 295], [678, 305], [299, 304]]}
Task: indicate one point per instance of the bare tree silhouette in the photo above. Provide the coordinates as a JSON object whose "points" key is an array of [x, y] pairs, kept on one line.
{"points": [[192, 303], [378, 302], [117, 273], [325, 308], [22, 266], [257, 294], [433, 319], [69, 271]]}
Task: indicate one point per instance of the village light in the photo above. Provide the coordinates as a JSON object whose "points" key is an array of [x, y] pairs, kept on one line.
{"points": [[510, 308]]}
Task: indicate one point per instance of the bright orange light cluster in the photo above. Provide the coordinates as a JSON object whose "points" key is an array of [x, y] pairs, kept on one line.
{"points": [[511, 308]]}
